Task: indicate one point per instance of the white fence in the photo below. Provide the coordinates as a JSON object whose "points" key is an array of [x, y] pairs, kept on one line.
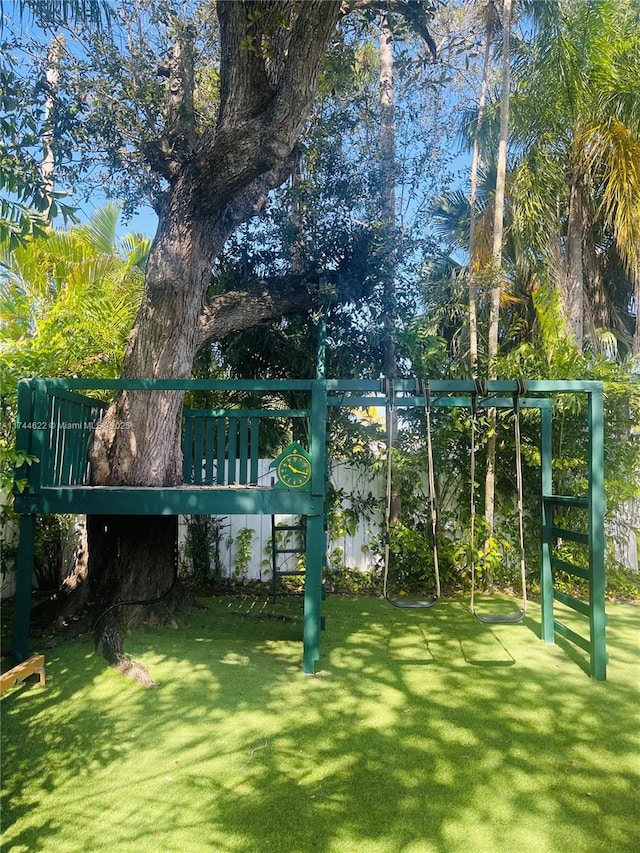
{"points": [[355, 549]]}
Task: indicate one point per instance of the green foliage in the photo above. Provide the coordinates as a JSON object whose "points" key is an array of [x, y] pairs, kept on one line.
{"points": [[243, 544], [26, 204], [201, 549], [623, 585], [411, 560], [68, 300], [51, 533], [577, 126], [67, 303], [342, 580]]}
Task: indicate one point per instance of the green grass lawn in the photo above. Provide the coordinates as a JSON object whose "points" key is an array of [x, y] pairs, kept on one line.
{"points": [[422, 731]]}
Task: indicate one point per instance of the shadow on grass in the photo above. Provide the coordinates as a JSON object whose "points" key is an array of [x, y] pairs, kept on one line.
{"points": [[421, 732]]}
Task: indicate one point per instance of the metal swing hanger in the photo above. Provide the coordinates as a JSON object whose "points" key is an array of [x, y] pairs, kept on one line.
{"points": [[415, 604], [517, 615]]}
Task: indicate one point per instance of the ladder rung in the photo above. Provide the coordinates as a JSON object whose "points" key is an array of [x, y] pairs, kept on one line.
{"points": [[566, 500], [288, 574], [570, 568], [571, 635], [290, 551], [573, 603], [571, 535]]}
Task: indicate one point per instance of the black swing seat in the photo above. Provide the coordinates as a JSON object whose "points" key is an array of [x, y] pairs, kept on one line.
{"points": [[413, 604], [501, 618]]}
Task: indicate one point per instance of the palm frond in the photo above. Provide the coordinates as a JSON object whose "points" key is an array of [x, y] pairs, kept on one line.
{"points": [[612, 156], [100, 231]]}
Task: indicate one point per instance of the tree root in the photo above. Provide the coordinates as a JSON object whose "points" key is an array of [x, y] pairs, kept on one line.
{"points": [[134, 670]]}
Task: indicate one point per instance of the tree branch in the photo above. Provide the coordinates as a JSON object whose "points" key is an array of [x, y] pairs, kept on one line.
{"points": [[266, 300], [416, 13], [260, 119]]}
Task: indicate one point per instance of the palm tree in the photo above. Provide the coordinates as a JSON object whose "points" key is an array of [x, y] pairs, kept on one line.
{"points": [[497, 274], [576, 193], [491, 20], [68, 300]]}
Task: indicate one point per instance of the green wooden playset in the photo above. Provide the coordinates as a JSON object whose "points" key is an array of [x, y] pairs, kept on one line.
{"points": [[56, 418]]}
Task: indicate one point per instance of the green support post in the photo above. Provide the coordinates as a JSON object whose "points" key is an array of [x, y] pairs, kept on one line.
{"points": [[321, 358], [547, 634], [312, 594], [22, 600], [597, 617], [315, 554]]}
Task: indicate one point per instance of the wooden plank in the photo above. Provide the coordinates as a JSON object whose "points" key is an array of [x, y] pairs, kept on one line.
{"points": [[232, 444], [65, 443], [63, 394], [32, 666], [52, 474], [566, 500], [570, 568], [209, 449], [570, 535], [198, 450], [243, 452], [255, 450], [247, 413], [572, 636], [573, 603], [187, 451], [176, 500], [181, 384], [78, 430], [221, 424]]}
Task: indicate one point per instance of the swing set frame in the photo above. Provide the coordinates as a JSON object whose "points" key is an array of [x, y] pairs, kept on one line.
{"points": [[219, 477], [533, 395]]}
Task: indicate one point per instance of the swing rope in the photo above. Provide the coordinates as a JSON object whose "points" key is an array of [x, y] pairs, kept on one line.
{"points": [[518, 615], [410, 603]]}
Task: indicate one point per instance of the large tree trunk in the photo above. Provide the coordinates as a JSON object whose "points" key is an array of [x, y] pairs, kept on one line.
{"points": [[573, 289], [216, 182], [388, 195], [137, 555], [490, 25], [496, 290]]}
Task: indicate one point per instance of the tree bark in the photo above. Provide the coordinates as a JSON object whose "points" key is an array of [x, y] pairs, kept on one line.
{"points": [[496, 290], [268, 72], [52, 78], [490, 25], [573, 290], [139, 561], [388, 195]]}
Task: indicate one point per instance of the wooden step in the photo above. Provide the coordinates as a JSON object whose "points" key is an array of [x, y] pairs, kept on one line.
{"points": [[32, 666]]}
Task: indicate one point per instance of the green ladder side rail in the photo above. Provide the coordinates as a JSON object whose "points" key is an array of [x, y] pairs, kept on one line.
{"points": [[591, 613], [286, 548]]}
